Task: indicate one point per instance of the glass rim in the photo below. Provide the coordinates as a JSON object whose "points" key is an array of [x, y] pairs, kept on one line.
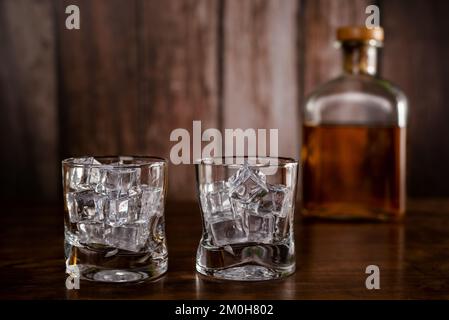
{"points": [[271, 161], [145, 161]]}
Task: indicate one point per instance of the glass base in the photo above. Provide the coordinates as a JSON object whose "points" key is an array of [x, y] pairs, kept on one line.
{"points": [[98, 264], [246, 261], [120, 276], [246, 273]]}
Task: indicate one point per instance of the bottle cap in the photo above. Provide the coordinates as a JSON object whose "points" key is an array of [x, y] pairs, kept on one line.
{"points": [[359, 33]]}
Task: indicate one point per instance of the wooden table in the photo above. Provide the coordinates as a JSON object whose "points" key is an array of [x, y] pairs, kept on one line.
{"points": [[331, 259]]}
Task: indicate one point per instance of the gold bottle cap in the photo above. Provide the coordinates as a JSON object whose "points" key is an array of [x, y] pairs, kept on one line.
{"points": [[359, 33]]}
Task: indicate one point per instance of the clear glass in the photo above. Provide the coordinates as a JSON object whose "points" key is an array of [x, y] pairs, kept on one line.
{"points": [[247, 207], [114, 217], [353, 150]]}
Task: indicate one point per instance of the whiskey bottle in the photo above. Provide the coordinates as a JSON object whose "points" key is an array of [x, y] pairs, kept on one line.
{"points": [[354, 138]]}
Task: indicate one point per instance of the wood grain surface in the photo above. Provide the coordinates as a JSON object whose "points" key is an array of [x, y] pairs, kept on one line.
{"points": [[178, 78], [322, 61], [416, 47], [29, 137], [98, 79], [413, 258], [260, 73]]}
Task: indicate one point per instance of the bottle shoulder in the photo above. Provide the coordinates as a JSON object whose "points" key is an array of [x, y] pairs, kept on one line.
{"points": [[358, 83], [359, 99]]}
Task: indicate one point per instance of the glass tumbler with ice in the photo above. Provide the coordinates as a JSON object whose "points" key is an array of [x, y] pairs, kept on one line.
{"points": [[114, 217], [247, 206]]}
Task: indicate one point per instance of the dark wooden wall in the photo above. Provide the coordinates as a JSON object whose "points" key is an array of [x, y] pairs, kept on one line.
{"points": [[416, 57], [137, 69]]}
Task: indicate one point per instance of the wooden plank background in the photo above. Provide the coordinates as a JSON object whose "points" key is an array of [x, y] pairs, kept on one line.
{"points": [[138, 69], [321, 19], [260, 75], [29, 130], [416, 58]]}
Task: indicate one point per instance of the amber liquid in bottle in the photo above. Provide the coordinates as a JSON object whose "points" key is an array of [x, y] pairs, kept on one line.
{"points": [[353, 171]]}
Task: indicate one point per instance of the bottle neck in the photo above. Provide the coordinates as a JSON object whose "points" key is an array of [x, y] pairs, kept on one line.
{"points": [[359, 58]]}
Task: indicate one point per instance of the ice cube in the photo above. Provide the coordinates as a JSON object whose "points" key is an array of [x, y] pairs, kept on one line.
{"points": [[137, 207], [258, 218], [248, 184], [91, 232], [215, 198], [276, 201], [118, 181], [217, 201], [257, 223], [281, 199], [266, 204], [151, 200], [238, 207], [126, 209], [219, 216], [282, 227], [94, 176], [227, 231], [78, 178], [117, 211], [242, 209], [261, 228], [131, 237], [85, 205], [83, 177]]}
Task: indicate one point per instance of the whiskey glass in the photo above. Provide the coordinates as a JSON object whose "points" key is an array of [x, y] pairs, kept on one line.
{"points": [[247, 209], [114, 217]]}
